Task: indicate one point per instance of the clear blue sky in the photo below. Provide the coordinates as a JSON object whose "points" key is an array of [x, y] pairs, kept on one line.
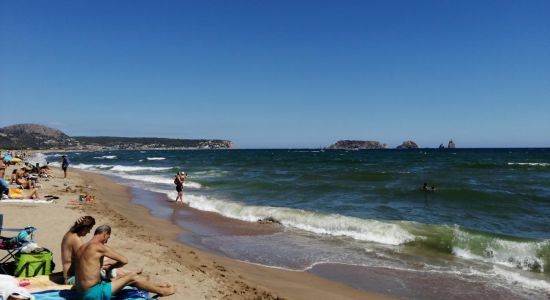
{"points": [[281, 73]]}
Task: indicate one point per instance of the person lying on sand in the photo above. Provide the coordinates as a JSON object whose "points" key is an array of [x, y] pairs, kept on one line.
{"points": [[89, 259], [7, 193], [72, 240]]}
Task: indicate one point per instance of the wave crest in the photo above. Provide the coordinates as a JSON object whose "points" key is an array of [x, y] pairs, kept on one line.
{"points": [[119, 168], [330, 224], [106, 157], [532, 164]]}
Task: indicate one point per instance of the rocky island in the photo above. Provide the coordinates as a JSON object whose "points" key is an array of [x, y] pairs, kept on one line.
{"points": [[408, 145], [40, 137], [356, 145]]}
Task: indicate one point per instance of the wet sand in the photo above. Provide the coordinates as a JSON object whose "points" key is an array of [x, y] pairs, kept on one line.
{"points": [[409, 284]]}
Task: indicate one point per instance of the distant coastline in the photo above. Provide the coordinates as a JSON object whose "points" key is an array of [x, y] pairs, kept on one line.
{"points": [[40, 137]]}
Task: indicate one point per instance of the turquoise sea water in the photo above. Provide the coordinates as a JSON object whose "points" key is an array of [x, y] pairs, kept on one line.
{"points": [[488, 219]]}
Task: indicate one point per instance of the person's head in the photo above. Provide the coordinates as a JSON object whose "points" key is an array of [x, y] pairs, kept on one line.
{"points": [[103, 233], [83, 226]]}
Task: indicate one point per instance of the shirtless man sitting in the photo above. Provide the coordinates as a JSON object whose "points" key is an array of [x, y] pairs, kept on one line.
{"points": [[70, 244], [89, 259]]}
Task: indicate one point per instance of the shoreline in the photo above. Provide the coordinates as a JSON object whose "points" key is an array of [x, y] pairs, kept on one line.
{"points": [[153, 244], [273, 281]]}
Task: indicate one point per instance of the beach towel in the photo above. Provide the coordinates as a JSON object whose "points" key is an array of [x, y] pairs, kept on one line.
{"points": [[31, 201], [127, 293], [15, 193]]}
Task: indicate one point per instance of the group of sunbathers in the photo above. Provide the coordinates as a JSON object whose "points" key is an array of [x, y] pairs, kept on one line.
{"points": [[94, 269], [21, 178]]}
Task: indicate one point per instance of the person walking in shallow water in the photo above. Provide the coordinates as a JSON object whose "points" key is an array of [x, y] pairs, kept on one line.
{"points": [[65, 165], [178, 181]]}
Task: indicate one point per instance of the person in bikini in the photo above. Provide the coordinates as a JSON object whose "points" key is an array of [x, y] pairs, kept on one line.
{"points": [[89, 259], [178, 181]]}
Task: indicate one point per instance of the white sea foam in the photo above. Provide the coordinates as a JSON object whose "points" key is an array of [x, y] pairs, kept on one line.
{"points": [[158, 179], [331, 224], [209, 173], [106, 157], [156, 158], [37, 158], [516, 278], [89, 167], [147, 178], [113, 168], [119, 168], [509, 253], [192, 184], [534, 164]]}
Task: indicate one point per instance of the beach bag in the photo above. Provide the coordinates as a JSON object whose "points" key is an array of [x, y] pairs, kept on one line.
{"points": [[33, 264]]}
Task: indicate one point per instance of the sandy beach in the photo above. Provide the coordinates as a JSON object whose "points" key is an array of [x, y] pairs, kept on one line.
{"points": [[152, 244]]}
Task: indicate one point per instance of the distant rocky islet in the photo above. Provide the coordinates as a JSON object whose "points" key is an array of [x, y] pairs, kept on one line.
{"points": [[374, 145]]}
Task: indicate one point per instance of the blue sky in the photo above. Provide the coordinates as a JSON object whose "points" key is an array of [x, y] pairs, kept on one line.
{"points": [[281, 73]]}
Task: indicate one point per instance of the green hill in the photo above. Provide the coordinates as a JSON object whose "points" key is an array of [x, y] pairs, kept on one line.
{"points": [[40, 137]]}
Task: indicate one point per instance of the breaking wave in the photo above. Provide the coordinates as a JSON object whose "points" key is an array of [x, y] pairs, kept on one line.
{"points": [[532, 164], [384, 232], [106, 157], [119, 168]]}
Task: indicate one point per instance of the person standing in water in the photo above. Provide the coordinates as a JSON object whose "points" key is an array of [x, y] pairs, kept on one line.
{"points": [[426, 188], [65, 165], [178, 181]]}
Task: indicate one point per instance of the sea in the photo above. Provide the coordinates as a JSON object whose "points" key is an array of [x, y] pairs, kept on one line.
{"points": [[362, 217]]}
